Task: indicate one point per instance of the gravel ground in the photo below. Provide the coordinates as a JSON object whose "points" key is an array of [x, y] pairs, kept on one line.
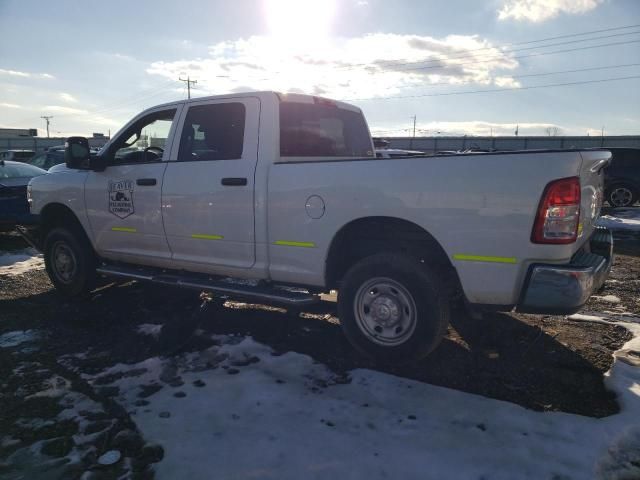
{"points": [[541, 362]]}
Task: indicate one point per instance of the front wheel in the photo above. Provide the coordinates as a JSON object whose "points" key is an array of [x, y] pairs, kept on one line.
{"points": [[70, 262], [392, 308]]}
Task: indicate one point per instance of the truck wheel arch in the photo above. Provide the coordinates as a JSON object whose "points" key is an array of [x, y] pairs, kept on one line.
{"points": [[368, 236], [56, 215]]}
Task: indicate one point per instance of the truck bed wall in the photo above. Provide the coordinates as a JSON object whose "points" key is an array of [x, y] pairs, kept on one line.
{"points": [[479, 205]]}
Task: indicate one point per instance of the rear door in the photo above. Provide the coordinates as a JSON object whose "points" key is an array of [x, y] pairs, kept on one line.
{"points": [[208, 192]]}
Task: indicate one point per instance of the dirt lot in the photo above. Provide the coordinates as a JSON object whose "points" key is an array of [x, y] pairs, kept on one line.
{"points": [[544, 363]]}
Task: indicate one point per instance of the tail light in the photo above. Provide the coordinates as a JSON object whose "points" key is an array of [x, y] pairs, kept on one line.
{"points": [[559, 213]]}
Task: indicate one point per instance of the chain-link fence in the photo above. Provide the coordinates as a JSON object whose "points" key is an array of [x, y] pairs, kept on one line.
{"points": [[439, 144]]}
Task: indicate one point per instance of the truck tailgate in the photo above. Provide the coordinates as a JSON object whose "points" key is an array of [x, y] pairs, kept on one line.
{"points": [[592, 185]]}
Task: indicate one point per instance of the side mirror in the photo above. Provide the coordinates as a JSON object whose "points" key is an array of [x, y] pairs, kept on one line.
{"points": [[76, 152]]}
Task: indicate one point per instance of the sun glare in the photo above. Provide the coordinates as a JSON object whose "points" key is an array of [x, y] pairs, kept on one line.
{"points": [[304, 23]]}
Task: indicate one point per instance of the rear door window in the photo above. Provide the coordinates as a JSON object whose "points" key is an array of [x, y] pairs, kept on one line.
{"points": [[322, 130], [213, 132]]}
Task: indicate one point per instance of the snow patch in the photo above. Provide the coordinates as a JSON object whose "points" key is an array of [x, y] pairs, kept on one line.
{"points": [[17, 337], [150, 329], [20, 261], [244, 411], [607, 298], [621, 219]]}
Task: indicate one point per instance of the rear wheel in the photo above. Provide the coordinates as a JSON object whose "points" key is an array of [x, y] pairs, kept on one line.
{"points": [[70, 261], [621, 195], [392, 309]]}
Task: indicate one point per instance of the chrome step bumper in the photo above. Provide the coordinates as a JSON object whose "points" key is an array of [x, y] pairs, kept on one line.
{"points": [[564, 289]]}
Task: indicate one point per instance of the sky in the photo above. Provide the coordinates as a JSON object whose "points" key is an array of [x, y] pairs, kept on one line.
{"points": [[461, 67]]}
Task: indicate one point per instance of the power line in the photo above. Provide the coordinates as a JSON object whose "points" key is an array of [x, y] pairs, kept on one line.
{"points": [[557, 72], [439, 64], [535, 54], [468, 55], [468, 92]]}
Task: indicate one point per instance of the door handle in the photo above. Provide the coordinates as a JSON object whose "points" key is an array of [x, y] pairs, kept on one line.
{"points": [[234, 181], [146, 182]]}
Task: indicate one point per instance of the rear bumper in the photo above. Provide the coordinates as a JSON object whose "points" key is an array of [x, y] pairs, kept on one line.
{"points": [[564, 289]]}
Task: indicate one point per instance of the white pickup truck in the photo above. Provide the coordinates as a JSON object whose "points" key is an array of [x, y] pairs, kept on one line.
{"points": [[285, 193]]}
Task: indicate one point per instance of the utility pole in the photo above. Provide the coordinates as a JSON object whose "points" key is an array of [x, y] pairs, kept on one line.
{"points": [[188, 81], [414, 132], [47, 119]]}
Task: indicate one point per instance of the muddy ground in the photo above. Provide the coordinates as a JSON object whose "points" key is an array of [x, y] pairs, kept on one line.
{"points": [[541, 362]]}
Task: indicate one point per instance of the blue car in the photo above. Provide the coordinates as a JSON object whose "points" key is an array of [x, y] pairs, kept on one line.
{"points": [[14, 178]]}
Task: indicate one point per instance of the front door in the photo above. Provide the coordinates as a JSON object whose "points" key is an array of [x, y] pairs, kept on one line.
{"points": [[123, 201], [207, 196]]}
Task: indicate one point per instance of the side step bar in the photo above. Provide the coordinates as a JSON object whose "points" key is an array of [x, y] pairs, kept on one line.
{"points": [[248, 290]]}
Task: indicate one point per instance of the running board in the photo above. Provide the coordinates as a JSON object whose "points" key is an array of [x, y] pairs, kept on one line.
{"points": [[248, 290]]}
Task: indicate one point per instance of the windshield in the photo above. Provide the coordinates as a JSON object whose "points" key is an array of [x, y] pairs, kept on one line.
{"points": [[19, 170]]}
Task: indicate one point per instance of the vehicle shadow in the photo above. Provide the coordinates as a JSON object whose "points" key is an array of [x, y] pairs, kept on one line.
{"points": [[500, 356]]}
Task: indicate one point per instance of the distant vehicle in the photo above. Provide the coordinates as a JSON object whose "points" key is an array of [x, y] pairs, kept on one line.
{"points": [[14, 208], [396, 153], [622, 177], [48, 159], [16, 155], [380, 142]]}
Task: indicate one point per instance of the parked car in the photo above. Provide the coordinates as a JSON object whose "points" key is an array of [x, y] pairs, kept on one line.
{"points": [[16, 155], [14, 177], [622, 177], [285, 194], [48, 159]]}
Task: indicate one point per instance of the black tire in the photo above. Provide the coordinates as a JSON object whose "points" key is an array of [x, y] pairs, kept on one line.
{"points": [[419, 307], [76, 276], [622, 195]]}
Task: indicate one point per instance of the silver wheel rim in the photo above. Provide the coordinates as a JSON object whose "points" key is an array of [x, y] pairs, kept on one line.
{"points": [[621, 196], [385, 311], [63, 262]]}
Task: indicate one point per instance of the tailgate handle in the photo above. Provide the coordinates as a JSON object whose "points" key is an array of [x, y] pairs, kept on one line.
{"points": [[146, 182], [600, 164], [234, 181]]}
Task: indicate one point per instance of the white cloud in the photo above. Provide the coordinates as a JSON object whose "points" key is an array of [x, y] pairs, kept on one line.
{"points": [[368, 66], [18, 73], [67, 97], [10, 105], [541, 10], [14, 73], [65, 110]]}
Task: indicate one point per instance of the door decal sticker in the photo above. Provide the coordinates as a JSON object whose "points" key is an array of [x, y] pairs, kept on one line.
{"points": [[121, 198]]}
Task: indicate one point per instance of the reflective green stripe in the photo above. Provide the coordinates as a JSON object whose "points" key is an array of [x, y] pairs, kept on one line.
{"points": [[124, 229], [481, 258], [207, 237], [287, 243]]}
